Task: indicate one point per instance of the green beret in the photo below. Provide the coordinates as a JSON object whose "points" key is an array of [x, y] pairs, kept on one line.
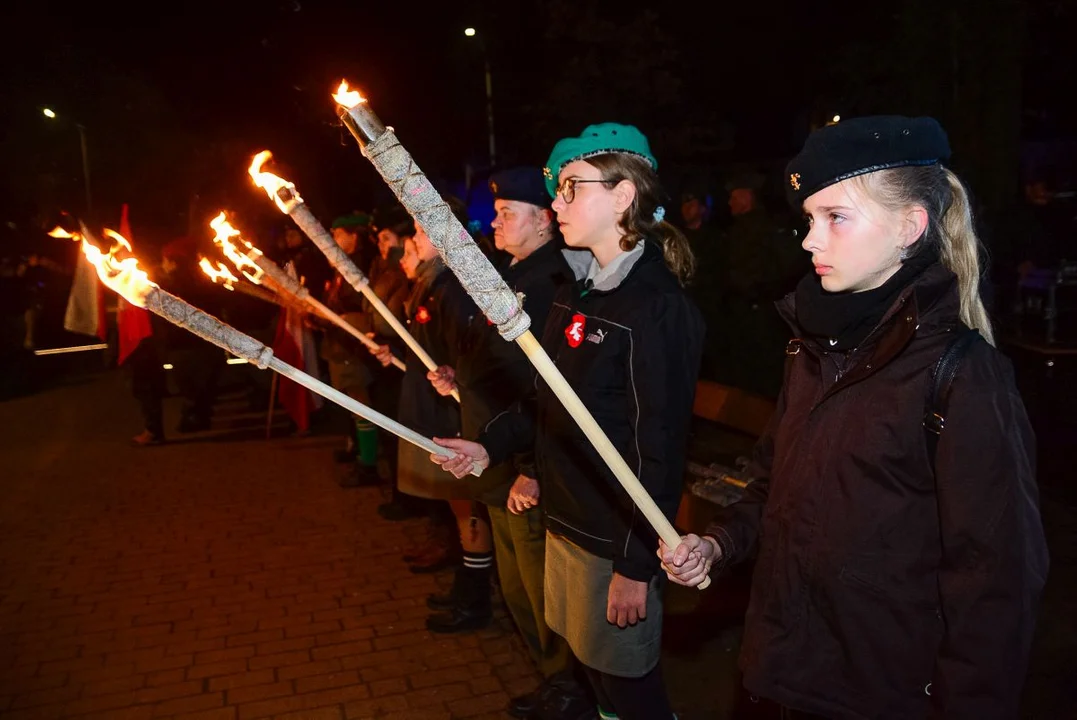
{"points": [[354, 220], [601, 139]]}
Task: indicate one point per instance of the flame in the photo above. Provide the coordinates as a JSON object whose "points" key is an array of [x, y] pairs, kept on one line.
{"points": [[270, 182], [123, 276], [242, 260], [59, 232], [348, 98], [220, 272], [120, 240]]}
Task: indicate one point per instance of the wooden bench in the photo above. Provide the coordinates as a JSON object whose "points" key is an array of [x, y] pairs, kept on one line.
{"points": [[727, 422]]}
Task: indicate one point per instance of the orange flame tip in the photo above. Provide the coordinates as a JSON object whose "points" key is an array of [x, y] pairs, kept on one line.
{"points": [[272, 183], [347, 98], [123, 276]]}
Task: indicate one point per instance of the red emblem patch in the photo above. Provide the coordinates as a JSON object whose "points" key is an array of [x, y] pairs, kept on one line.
{"points": [[422, 315], [574, 331]]}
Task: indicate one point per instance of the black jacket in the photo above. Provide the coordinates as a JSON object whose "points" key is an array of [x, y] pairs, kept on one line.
{"points": [[494, 374], [886, 588], [438, 311], [632, 353]]}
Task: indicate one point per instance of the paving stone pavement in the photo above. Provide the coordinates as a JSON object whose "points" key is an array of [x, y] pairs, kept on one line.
{"points": [[224, 577]]}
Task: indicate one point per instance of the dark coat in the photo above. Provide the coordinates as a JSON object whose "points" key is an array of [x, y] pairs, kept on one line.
{"points": [[438, 312], [633, 362], [886, 588], [494, 374]]}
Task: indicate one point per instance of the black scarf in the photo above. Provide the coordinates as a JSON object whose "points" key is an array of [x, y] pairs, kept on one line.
{"points": [[841, 321]]}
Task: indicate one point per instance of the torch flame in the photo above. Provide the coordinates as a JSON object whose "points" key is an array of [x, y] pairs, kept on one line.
{"points": [[124, 276], [270, 182], [348, 98], [220, 272], [59, 232], [242, 260], [120, 240]]}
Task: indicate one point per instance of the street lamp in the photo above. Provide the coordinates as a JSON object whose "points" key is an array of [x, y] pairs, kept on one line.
{"points": [[470, 32], [51, 115]]}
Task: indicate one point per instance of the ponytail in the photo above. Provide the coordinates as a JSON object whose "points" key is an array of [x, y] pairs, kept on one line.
{"points": [[959, 249], [677, 252], [949, 227], [642, 221]]}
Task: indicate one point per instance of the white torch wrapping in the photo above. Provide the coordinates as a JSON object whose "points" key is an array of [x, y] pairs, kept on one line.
{"points": [[275, 273], [463, 256], [207, 327], [212, 330], [489, 291], [304, 218]]}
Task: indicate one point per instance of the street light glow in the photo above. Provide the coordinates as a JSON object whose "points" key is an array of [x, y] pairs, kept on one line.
{"points": [[470, 32], [49, 113], [836, 118]]}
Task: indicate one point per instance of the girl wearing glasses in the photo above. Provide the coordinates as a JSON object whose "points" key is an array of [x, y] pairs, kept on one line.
{"points": [[628, 340]]}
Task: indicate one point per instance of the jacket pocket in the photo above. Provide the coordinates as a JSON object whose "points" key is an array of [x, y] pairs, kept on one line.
{"points": [[888, 634]]}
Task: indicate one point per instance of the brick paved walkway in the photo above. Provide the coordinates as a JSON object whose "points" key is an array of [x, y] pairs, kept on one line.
{"points": [[219, 579]]}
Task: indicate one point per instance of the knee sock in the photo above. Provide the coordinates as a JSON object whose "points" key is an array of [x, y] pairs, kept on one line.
{"points": [[366, 440]]}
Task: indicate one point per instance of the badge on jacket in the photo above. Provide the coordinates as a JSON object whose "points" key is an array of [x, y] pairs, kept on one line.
{"points": [[422, 315], [574, 331]]}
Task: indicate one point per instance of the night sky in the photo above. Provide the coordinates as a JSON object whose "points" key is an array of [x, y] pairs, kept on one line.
{"points": [[176, 97]]}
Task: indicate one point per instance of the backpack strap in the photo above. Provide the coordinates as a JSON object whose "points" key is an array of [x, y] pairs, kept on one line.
{"points": [[942, 380]]}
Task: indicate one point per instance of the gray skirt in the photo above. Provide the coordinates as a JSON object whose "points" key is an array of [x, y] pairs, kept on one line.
{"points": [[577, 592], [418, 477]]}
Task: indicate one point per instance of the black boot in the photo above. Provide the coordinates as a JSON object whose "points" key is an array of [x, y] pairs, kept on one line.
{"points": [[563, 698], [472, 610], [359, 476], [525, 706], [443, 602]]}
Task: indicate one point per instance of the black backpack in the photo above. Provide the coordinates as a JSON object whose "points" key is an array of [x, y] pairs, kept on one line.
{"points": [[942, 380]]}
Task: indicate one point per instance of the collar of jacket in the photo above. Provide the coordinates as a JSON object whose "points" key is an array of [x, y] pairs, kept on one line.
{"points": [[581, 263], [929, 305], [537, 257], [425, 275]]}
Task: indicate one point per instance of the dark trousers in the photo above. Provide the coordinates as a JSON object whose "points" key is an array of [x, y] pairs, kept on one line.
{"points": [[148, 385], [197, 368], [642, 698], [520, 549]]}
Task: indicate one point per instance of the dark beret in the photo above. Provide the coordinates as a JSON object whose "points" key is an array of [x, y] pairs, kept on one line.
{"points": [[524, 184], [862, 145]]}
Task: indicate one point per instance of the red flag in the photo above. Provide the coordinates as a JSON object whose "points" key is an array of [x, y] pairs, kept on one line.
{"points": [[294, 344], [133, 322]]}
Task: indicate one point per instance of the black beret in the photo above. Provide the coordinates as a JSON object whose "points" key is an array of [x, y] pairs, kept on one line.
{"points": [[862, 145], [525, 184]]}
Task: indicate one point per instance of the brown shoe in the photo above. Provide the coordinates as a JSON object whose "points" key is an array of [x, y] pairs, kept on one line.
{"points": [[146, 439]]}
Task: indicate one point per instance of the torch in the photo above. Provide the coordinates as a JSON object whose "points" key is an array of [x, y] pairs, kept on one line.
{"points": [[256, 267], [126, 278], [284, 194], [483, 283], [216, 271]]}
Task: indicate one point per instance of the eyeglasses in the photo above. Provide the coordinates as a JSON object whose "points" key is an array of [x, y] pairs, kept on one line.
{"points": [[567, 188]]}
